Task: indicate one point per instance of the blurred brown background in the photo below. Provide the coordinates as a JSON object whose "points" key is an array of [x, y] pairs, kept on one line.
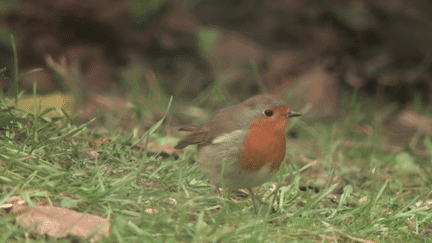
{"points": [[377, 48]]}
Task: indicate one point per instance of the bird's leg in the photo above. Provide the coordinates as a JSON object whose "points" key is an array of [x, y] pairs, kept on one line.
{"points": [[253, 200]]}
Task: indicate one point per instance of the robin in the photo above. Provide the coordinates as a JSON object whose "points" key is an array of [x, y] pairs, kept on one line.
{"points": [[249, 137]]}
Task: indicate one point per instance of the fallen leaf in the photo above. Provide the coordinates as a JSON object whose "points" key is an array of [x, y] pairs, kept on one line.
{"points": [[61, 222], [57, 100], [58, 222]]}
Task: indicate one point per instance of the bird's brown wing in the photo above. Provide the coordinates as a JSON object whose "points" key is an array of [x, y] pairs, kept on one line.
{"points": [[220, 122], [199, 135]]}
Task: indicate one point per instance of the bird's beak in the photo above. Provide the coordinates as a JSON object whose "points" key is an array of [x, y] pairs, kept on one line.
{"points": [[293, 114]]}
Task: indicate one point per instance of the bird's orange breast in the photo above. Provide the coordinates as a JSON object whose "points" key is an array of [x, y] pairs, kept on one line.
{"points": [[262, 147], [265, 141]]}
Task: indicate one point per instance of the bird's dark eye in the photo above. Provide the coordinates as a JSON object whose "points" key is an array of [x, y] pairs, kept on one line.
{"points": [[268, 113]]}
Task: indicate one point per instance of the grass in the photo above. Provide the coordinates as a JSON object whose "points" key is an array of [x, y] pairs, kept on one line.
{"points": [[340, 184]]}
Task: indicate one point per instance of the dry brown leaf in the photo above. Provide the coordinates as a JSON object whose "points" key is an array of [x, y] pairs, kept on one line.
{"points": [[411, 119], [98, 142], [14, 205], [320, 87], [59, 222]]}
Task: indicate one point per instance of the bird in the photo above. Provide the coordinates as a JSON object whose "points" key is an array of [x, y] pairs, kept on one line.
{"points": [[248, 138]]}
